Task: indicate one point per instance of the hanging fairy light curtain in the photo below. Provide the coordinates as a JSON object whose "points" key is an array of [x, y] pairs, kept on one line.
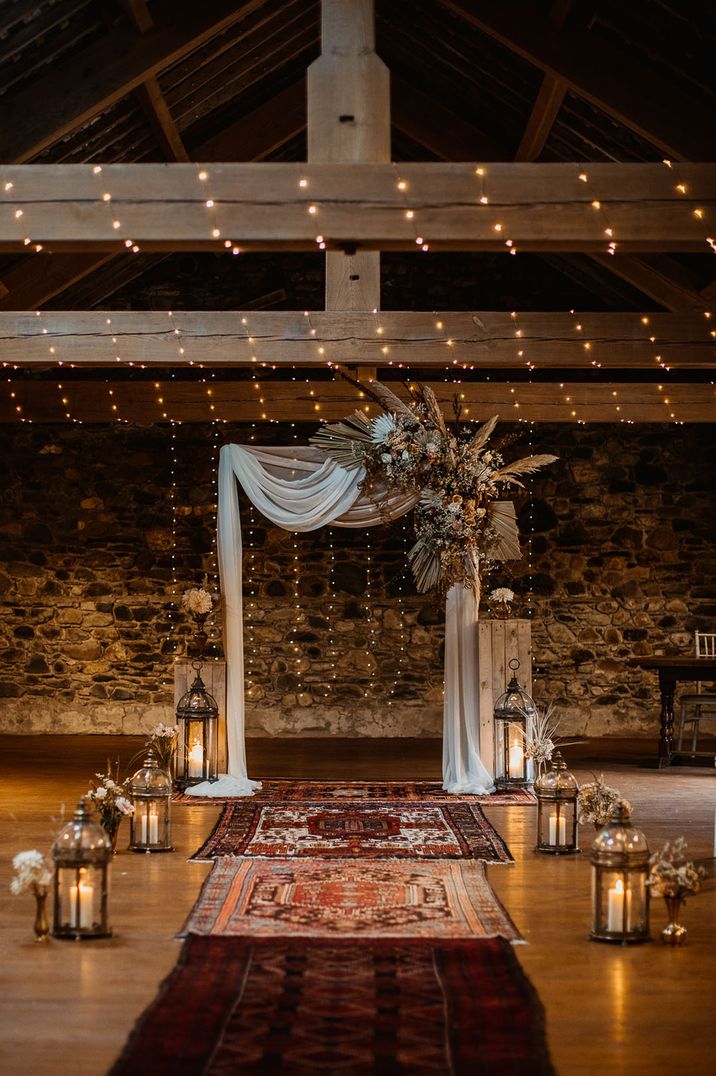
{"points": [[362, 473]]}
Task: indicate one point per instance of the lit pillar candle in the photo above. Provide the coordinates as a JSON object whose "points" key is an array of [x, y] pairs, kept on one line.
{"points": [[557, 828], [619, 908], [516, 760], [153, 827], [141, 810], [81, 900], [196, 760]]}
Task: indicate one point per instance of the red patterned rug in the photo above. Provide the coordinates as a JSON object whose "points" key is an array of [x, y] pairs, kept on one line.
{"points": [[280, 897], [422, 791], [304, 1006], [355, 831]]}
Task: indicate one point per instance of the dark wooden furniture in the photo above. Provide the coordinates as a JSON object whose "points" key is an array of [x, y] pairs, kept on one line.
{"points": [[671, 671]]}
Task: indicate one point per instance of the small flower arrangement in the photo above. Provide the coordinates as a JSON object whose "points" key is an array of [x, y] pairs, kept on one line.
{"points": [[163, 741], [109, 798], [598, 801], [541, 737], [502, 594], [197, 602], [672, 875], [32, 872]]}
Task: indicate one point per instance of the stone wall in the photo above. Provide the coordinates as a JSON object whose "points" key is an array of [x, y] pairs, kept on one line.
{"points": [[622, 563]]}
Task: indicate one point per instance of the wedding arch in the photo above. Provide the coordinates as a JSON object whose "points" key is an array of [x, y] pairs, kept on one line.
{"points": [[404, 459]]}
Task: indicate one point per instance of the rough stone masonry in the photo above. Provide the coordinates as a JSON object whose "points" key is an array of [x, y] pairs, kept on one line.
{"points": [[622, 563]]}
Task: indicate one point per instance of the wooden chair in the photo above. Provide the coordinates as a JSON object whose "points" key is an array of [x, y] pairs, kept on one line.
{"points": [[698, 704]]}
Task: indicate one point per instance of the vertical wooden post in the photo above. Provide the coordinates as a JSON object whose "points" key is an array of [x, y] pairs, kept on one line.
{"points": [[349, 120], [498, 642]]}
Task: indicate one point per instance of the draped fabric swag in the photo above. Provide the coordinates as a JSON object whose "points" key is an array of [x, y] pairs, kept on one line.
{"points": [[300, 489]]}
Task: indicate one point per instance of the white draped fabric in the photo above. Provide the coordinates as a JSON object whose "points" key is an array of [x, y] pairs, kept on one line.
{"points": [[300, 489]]}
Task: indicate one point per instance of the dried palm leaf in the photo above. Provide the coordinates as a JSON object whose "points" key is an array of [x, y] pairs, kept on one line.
{"points": [[528, 465], [433, 408], [503, 521], [389, 401], [345, 442], [483, 435], [426, 565]]}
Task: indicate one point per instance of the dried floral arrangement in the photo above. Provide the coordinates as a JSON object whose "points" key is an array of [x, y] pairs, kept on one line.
{"points": [[541, 740], [32, 872], [109, 797], [672, 875], [461, 526], [163, 741], [598, 801]]}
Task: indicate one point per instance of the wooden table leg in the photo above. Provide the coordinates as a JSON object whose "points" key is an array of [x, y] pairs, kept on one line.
{"points": [[667, 686]]}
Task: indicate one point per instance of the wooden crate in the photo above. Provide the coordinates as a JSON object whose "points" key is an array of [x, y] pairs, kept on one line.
{"points": [[498, 641], [213, 673]]}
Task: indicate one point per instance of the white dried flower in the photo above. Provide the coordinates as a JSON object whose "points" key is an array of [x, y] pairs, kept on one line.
{"points": [[197, 601], [31, 872], [502, 594]]}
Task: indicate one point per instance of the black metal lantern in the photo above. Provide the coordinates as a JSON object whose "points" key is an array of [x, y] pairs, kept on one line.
{"points": [[82, 854], [198, 735], [557, 795], [151, 793], [620, 895], [514, 713]]}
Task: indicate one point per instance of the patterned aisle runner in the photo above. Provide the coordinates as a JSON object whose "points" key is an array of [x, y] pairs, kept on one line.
{"points": [[285, 791], [305, 1006], [355, 830], [346, 928], [280, 898]]}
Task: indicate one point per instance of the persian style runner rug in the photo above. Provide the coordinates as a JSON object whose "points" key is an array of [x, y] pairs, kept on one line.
{"points": [[422, 791], [393, 830], [284, 897], [305, 1006]]}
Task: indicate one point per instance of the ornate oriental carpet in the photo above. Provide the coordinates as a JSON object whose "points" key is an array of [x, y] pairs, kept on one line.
{"points": [[323, 899], [422, 791], [305, 1006], [393, 830]]}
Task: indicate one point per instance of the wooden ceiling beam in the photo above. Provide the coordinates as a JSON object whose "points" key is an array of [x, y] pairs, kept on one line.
{"points": [[614, 81], [35, 280], [106, 71], [260, 132], [667, 282], [152, 100], [138, 14], [410, 338], [438, 129], [318, 401], [370, 206], [544, 113]]}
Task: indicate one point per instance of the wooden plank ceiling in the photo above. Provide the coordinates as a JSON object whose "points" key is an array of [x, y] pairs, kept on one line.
{"points": [[226, 82]]}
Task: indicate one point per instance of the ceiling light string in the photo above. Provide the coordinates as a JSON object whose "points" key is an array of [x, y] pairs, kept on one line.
{"points": [[253, 691], [370, 621], [400, 585], [409, 213], [331, 635]]}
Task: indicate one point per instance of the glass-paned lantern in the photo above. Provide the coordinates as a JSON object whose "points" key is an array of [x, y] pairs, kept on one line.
{"points": [[198, 735], [557, 795], [151, 792], [514, 713], [620, 895], [82, 854]]}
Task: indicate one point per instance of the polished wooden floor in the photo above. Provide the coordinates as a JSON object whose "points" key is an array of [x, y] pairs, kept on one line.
{"points": [[66, 1008]]}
